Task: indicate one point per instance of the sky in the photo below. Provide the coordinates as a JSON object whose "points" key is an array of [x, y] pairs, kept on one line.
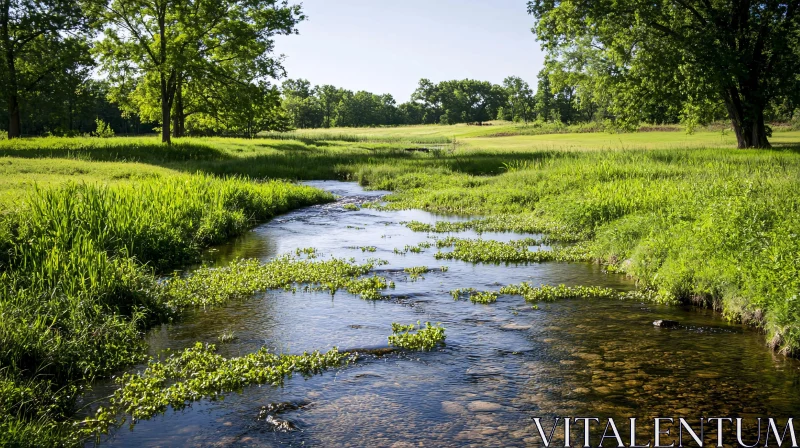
{"points": [[385, 46]]}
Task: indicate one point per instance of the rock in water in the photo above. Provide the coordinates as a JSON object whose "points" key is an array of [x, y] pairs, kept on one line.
{"points": [[663, 323]]}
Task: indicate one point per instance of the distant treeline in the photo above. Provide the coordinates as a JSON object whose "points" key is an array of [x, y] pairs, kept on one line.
{"points": [[554, 100], [188, 67]]}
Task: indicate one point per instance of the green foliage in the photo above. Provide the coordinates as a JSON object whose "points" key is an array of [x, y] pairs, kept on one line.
{"points": [[477, 251], [200, 373], [474, 296], [78, 282], [417, 337], [242, 278], [416, 249], [548, 293], [103, 130], [416, 272], [192, 58], [718, 49]]}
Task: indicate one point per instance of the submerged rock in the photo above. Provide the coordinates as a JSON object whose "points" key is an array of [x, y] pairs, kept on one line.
{"points": [[484, 406], [664, 323], [280, 425]]}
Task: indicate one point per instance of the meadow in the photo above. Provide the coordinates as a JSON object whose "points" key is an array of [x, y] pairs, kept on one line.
{"points": [[90, 225]]}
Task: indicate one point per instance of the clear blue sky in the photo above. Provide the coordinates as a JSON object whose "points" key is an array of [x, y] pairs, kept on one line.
{"points": [[386, 46]]}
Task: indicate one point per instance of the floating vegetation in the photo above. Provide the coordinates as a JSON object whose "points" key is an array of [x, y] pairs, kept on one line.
{"points": [[474, 296], [198, 373], [416, 272], [424, 338], [417, 249], [350, 207], [462, 293], [477, 251], [309, 252], [215, 286], [521, 223], [369, 249], [227, 336], [356, 227], [484, 297], [546, 293]]}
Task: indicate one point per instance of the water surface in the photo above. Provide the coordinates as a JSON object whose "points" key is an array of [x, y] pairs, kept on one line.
{"points": [[502, 364]]}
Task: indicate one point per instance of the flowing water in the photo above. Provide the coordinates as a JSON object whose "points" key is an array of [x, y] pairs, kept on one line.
{"points": [[502, 363]]}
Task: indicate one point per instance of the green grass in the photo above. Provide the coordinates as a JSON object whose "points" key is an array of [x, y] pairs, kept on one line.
{"points": [[78, 267], [86, 225]]}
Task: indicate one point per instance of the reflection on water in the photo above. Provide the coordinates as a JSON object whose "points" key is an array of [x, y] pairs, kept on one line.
{"points": [[503, 363]]}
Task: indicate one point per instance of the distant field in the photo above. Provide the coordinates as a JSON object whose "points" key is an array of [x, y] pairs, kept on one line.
{"points": [[305, 154], [496, 137]]}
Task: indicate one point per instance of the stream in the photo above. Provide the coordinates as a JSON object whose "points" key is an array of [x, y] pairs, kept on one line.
{"points": [[502, 364]]}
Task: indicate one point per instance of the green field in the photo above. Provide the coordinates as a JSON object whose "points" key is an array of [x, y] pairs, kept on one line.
{"points": [[89, 224]]}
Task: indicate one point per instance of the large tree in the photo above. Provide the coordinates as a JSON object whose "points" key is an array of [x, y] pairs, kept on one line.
{"points": [[39, 39], [744, 54], [170, 43], [520, 98]]}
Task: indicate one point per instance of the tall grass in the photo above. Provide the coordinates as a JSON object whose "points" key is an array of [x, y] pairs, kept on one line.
{"points": [[710, 226], [78, 279]]}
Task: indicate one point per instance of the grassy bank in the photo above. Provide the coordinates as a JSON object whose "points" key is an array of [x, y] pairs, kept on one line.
{"points": [[79, 265], [87, 224]]}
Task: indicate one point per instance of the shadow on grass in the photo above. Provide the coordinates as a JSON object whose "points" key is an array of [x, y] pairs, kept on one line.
{"points": [[290, 160]]}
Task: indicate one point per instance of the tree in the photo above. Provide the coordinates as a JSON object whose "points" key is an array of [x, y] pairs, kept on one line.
{"points": [[741, 53], [520, 98], [329, 98], [166, 44], [30, 29]]}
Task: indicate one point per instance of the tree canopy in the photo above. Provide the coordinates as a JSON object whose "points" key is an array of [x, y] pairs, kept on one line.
{"points": [[162, 55], [699, 54]]}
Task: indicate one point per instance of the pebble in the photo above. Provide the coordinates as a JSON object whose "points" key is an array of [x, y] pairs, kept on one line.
{"points": [[484, 406], [452, 407]]}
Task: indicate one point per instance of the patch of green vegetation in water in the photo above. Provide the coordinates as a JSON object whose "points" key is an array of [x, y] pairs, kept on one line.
{"points": [[416, 272], [416, 337], [215, 286], [546, 293], [481, 251], [200, 373], [474, 296], [417, 249]]}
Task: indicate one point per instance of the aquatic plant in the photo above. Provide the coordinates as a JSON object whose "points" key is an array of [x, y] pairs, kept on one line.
{"points": [[474, 296], [416, 337], [477, 251], [546, 293], [200, 373], [416, 272], [242, 278], [350, 207], [418, 248], [462, 293]]}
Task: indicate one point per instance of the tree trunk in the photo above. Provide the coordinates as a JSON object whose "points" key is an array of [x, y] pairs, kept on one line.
{"points": [[165, 113], [12, 89], [14, 123], [747, 119], [179, 117]]}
